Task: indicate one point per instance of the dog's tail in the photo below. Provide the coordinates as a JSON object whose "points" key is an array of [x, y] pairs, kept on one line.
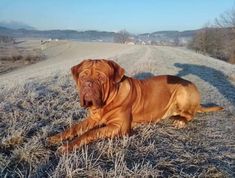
{"points": [[203, 109]]}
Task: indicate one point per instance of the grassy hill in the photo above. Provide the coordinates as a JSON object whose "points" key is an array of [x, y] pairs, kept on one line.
{"points": [[41, 99]]}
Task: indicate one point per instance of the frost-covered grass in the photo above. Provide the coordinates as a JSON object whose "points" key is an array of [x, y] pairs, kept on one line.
{"points": [[38, 108]]}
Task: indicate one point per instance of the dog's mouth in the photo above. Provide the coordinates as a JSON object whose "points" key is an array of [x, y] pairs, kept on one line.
{"points": [[89, 99], [87, 103]]}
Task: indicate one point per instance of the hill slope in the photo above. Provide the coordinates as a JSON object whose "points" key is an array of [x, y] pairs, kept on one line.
{"points": [[41, 99]]}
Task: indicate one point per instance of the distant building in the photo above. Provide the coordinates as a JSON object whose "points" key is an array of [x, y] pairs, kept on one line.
{"points": [[130, 43]]}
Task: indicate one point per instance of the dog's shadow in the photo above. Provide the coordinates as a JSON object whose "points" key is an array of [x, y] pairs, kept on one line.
{"points": [[143, 75], [214, 77]]}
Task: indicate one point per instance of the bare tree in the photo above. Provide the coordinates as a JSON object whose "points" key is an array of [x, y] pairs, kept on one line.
{"points": [[6, 39], [218, 40], [122, 36], [177, 40], [202, 42], [226, 21]]}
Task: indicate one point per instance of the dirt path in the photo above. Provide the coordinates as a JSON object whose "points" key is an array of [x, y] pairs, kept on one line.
{"points": [[60, 57], [139, 61]]}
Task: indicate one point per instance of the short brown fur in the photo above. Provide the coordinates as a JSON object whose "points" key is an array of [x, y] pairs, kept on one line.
{"points": [[117, 103]]}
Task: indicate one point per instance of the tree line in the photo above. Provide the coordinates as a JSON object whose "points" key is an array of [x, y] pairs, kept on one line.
{"points": [[6, 39], [218, 39]]}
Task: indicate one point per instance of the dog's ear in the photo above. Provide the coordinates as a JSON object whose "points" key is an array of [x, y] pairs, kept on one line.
{"points": [[118, 71], [75, 70]]}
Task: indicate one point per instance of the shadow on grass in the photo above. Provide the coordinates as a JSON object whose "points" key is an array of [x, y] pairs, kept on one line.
{"points": [[214, 77], [143, 75]]}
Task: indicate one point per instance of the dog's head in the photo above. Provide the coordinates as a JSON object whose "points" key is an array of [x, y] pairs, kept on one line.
{"points": [[95, 80]]}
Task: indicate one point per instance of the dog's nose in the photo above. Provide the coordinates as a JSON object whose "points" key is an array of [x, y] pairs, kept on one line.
{"points": [[88, 83]]}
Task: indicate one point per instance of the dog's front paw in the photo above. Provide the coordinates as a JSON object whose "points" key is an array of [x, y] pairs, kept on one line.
{"points": [[64, 149], [179, 124], [54, 140]]}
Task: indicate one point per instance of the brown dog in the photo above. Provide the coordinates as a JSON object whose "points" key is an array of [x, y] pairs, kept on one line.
{"points": [[117, 102]]}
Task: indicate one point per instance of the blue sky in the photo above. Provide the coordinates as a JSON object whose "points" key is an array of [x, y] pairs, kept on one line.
{"points": [[136, 16]]}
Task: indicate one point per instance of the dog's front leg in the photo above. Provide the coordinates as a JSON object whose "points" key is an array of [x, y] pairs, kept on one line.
{"points": [[73, 131], [108, 131]]}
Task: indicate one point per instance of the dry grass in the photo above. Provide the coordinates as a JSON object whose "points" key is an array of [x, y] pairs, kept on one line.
{"points": [[37, 107], [29, 114], [13, 56]]}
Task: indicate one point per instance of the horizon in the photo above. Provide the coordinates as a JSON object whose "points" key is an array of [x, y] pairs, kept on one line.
{"points": [[136, 17], [10, 22]]}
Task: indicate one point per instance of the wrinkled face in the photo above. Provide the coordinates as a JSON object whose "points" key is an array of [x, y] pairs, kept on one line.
{"points": [[95, 79]]}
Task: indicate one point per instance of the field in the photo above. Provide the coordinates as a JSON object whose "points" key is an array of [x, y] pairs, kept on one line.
{"points": [[19, 53], [40, 100]]}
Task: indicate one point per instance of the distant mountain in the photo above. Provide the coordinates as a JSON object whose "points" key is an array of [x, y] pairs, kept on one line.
{"points": [[16, 25], [90, 35], [157, 38], [168, 37]]}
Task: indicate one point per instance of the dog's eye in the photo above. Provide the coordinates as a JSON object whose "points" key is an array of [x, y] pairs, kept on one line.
{"points": [[82, 76], [101, 78]]}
